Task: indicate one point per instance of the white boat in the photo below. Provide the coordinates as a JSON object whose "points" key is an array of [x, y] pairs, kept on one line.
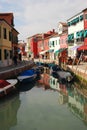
{"points": [[62, 75], [7, 85]]}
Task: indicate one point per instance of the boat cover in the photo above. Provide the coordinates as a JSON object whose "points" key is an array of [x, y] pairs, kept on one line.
{"points": [[3, 83], [27, 73]]}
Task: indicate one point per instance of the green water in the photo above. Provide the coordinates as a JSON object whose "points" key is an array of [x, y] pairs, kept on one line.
{"points": [[44, 109]]}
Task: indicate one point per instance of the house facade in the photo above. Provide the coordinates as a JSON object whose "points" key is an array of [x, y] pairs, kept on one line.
{"points": [[77, 32], [8, 39], [54, 45], [32, 45], [69, 41], [5, 44], [63, 33]]}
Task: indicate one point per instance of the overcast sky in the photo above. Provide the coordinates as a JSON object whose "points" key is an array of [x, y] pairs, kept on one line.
{"points": [[39, 16]]}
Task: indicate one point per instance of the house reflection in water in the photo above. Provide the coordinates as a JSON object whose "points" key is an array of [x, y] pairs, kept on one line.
{"points": [[8, 112], [61, 88], [77, 102], [76, 98], [44, 81], [67, 93]]}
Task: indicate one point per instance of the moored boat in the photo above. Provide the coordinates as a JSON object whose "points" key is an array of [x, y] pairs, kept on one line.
{"points": [[27, 76], [62, 75], [7, 86]]}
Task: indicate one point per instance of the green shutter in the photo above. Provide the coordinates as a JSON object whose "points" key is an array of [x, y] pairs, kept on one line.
{"points": [[68, 23], [69, 37], [81, 17], [85, 33], [77, 34], [81, 33], [72, 36]]}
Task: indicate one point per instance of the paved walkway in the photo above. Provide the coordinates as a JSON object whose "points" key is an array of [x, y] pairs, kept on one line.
{"points": [[81, 67], [12, 67], [78, 69]]}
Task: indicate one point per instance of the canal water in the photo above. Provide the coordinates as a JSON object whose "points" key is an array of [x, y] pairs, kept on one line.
{"points": [[45, 105]]}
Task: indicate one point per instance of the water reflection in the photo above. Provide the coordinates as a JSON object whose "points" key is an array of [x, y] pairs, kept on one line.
{"points": [[8, 112], [23, 87], [69, 93], [46, 104], [77, 102], [44, 80]]}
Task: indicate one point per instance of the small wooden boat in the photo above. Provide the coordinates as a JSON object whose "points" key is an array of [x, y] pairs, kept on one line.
{"points": [[63, 76], [7, 85], [27, 76]]}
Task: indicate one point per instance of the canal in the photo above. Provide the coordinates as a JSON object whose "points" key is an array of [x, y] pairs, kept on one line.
{"points": [[45, 105]]}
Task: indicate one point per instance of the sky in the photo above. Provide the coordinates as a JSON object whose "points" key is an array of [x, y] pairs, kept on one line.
{"points": [[40, 16]]}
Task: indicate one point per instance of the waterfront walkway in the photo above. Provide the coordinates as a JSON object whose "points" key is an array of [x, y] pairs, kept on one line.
{"points": [[12, 70], [80, 69], [12, 67]]}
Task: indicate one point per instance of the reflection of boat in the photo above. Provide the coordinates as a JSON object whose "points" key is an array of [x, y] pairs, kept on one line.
{"points": [[6, 86], [26, 86], [27, 76]]}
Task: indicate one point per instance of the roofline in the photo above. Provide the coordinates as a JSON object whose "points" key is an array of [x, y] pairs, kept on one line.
{"points": [[9, 25]]}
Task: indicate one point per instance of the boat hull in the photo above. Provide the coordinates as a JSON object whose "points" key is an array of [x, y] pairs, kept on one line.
{"points": [[9, 87], [25, 79], [63, 76]]}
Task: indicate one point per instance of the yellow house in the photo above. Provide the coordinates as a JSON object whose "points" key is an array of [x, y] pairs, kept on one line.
{"points": [[5, 43]]}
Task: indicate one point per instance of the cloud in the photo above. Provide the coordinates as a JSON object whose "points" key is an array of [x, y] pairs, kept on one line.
{"points": [[36, 16]]}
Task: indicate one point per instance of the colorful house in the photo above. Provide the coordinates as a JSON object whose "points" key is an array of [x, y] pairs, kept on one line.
{"points": [[32, 45], [8, 39], [77, 33]]}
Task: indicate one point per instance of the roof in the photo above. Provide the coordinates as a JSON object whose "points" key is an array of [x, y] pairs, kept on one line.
{"points": [[63, 23], [9, 25]]}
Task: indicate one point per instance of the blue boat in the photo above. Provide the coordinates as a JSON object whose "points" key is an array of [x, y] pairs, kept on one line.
{"points": [[27, 76]]}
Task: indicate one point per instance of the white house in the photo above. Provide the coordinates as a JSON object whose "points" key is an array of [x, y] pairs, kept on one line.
{"points": [[76, 32]]}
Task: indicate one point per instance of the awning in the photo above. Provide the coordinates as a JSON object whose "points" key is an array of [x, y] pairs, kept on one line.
{"points": [[75, 47], [60, 50], [83, 47]]}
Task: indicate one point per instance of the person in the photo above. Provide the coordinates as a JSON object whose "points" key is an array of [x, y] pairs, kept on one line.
{"points": [[19, 55], [15, 59]]}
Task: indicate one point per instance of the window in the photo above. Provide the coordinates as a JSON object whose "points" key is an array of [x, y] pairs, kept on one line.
{"points": [[53, 82], [4, 33], [10, 36], [85, 16], [56, 42], [53, 43], [0, 54], [5, 54], [11, 54], [0, 31]]}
